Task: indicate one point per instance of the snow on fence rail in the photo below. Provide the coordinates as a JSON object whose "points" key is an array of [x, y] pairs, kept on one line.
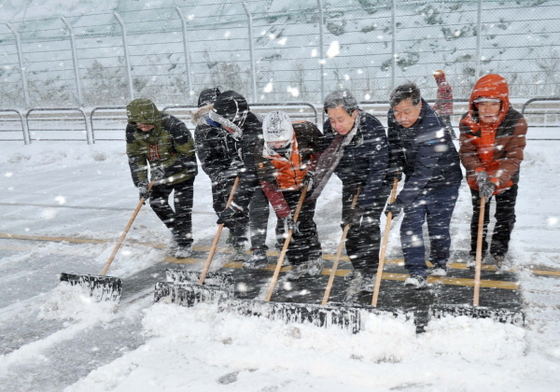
{"points": [[107, 123]]}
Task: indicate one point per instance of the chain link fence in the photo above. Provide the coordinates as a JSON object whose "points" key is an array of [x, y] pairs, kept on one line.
{"points": [[277, 51]]}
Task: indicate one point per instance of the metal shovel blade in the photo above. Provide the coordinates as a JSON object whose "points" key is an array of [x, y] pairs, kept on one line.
{"points": [[100, 287]]}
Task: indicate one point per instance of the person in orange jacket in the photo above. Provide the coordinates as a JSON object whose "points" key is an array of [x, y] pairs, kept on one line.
{"points": [[491, 142], [285, 165]]}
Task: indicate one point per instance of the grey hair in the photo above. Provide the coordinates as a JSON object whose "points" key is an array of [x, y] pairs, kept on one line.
{"points": [[342, 98], [404, 92]]}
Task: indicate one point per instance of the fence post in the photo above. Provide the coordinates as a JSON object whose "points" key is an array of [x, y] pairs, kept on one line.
{"points": [[186, 50], [251, 50], [394, 44], [478, 39], [126, 57], [75, 61], [321, 49], [21, 66]]}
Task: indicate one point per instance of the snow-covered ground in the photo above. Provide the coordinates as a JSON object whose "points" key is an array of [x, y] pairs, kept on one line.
{"points": [[53, 340]]}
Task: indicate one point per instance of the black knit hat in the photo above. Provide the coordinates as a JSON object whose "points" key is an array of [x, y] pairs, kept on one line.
{"points": [[232, 106], [208, 96]]}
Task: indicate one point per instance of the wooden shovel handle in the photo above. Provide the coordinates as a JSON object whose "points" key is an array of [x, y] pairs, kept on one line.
{"points": [[125, 232], [478, 260], [339, 253], [217, 236], [285, 247], [384, 246]]}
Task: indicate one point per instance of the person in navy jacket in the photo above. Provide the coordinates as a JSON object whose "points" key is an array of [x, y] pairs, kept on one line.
{"points": [[421, 148]]}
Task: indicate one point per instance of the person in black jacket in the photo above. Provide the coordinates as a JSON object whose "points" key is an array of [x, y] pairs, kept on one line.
{"points": [[218, 155], [357, 151], [163, 144], [231, 112], [422, 149]]}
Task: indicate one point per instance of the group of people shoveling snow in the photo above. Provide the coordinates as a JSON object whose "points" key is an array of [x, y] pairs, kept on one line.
{"points": [[253, 163]]}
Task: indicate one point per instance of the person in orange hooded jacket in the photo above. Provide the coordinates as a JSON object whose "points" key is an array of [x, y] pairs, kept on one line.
{"points": [[491, 150]]}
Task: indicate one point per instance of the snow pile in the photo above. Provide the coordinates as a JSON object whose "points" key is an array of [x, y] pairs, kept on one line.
{"points": [[69, 302]]}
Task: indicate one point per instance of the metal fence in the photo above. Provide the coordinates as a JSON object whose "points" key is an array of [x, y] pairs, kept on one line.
{"points": [[277, 50], [107, 123]]}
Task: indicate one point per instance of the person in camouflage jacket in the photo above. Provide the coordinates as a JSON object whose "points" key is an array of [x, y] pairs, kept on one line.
{"points": [[160, 150]]}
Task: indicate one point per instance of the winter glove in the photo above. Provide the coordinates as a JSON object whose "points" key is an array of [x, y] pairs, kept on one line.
{"points": [[236, 167], [352, 215], [485, 186], [308, 180], [143, 190], [229, 216], [289, 224], [394, 208], [157, 173]]}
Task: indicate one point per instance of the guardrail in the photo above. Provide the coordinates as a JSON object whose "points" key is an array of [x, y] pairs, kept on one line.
{"points": [[8, 131], [107, 123]]}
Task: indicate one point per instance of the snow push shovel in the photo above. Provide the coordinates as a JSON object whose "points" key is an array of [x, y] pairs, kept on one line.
{"points": [[292, 312], [188, 287], [102, 287], [502, 315]]}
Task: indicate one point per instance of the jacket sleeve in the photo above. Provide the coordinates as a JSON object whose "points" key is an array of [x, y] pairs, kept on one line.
{"points": [[431, 146], [251, 142], [468, 150], [184, 158], [514, 153], [276, 199], [378, 156], [136, 160], [208, 145]]}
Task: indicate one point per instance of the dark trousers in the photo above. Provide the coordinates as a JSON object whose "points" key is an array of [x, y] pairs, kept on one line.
{"points": [[304, 246], [256, 219], [179, 218], [505, 220], [364, 238], [434, 206]]}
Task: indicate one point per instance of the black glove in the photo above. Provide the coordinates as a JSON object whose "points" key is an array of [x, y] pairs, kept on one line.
{"points": [[352, 215], [143, 190], [309, 180], [229, 216], [157, 173], [485, 186], [289, 224], [394, 208]]}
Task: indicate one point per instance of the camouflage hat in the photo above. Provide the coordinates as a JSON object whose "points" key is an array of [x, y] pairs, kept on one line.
{"points": [[143, 111]]}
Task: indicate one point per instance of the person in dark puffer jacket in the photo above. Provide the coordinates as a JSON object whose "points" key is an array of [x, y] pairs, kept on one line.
{"points": [[218, 153], [232, 113], [160, 146], [422, 149]]}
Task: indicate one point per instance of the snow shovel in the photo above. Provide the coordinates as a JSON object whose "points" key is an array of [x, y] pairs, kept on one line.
{"points": [[506, 316], [384, 246], [339, 253], [285, 247], [187, 287], [104, 287]]}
